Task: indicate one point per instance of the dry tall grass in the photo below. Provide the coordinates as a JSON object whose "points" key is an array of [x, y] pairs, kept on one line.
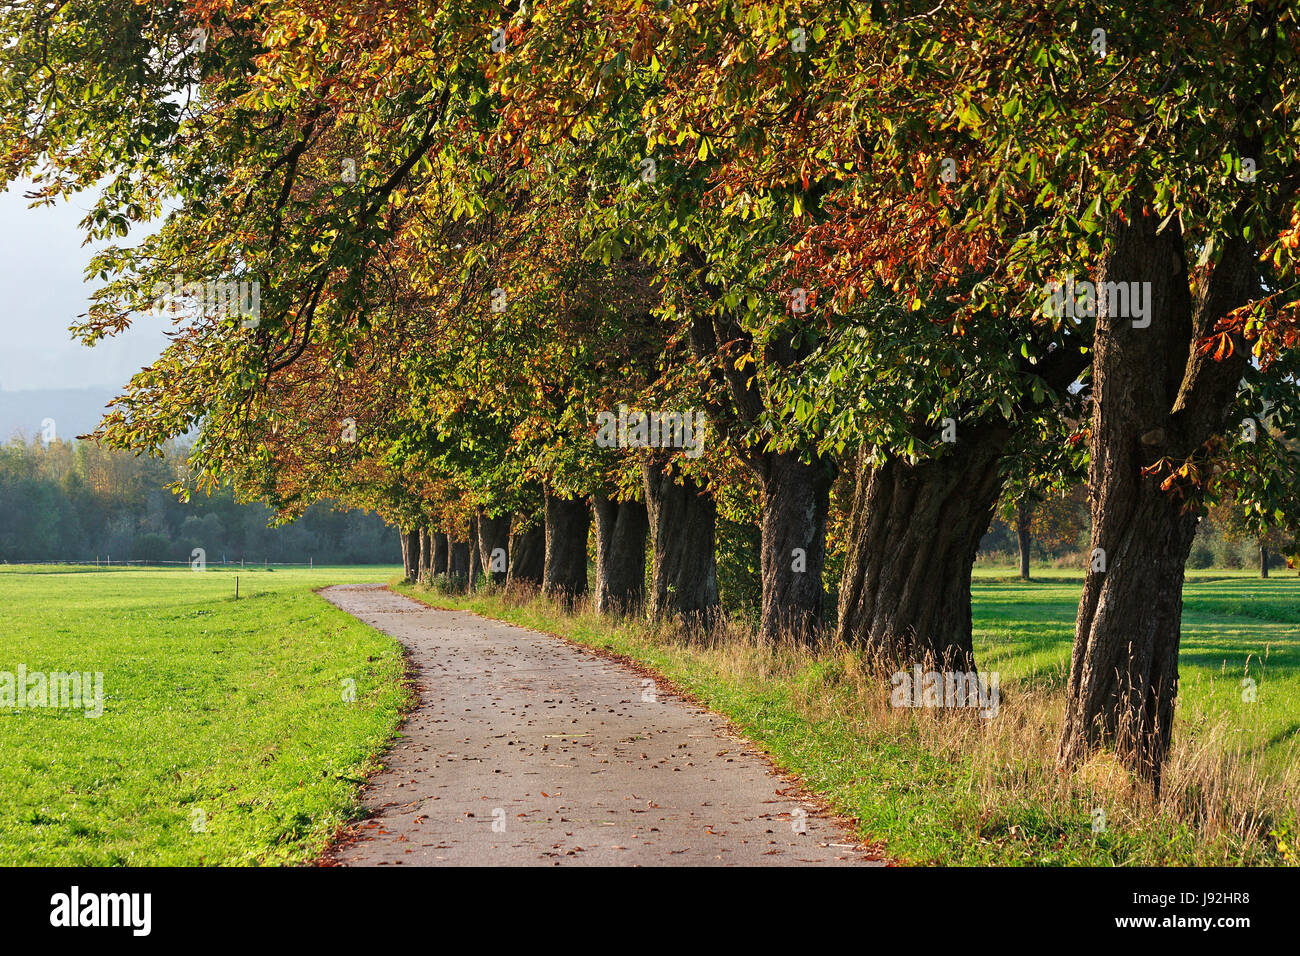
{"points": [[1239, 808]]}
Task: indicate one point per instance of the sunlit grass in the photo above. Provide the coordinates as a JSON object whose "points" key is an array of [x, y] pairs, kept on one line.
{"points": [[225, 736], [1236, 626]]}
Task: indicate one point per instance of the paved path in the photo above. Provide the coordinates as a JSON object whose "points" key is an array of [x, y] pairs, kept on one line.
{"points": [[525, 750]]}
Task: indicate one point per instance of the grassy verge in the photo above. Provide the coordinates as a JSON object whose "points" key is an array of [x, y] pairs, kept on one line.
{"points": [[958, 789], [1235, 627], [226, 736]]}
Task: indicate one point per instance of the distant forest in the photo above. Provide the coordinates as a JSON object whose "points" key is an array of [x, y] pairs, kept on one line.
{"points": [[75, 501]]}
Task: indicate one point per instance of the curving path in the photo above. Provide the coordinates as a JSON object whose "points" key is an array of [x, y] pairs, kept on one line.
{"points": [[526, 750]]}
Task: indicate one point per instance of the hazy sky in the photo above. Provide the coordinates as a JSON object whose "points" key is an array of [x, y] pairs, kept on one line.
{"points": [[42, 263]]}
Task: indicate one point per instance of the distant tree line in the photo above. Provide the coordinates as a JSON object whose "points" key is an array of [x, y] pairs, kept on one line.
{"points": [[76, 501], [1055, 530]]}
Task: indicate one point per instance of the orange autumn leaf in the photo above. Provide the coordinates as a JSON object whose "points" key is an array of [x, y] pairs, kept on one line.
{"points": [[1220, 344]]}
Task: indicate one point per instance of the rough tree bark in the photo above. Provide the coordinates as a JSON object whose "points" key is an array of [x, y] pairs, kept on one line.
{"points": [[424, 572], [684, 577], [438, 562], [493, 534], [1263, 561], [527, 552], [458, 563], [564, 577], [411, 554], [796, 503], [474, 566], [1155, 400], [621, 529], [912, 537]]}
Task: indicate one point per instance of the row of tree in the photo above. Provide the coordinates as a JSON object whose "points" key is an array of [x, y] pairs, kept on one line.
{"points": [[77, 501], [936, 253]]}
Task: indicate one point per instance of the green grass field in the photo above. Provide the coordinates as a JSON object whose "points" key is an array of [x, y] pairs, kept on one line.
{"points": [[225, 737], [1235, 626]]}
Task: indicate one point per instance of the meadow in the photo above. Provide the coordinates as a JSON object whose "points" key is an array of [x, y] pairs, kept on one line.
{"points": [[226, 735], [1236, 627]]}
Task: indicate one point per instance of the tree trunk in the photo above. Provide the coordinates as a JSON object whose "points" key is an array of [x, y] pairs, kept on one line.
{"points": [[411, 554], [621, 529], [438, 561], [564, 576], [1155, 400], [912, 538], [474, 566], [423, 573], [1263, 561], [1124, 665], [493, 546], [1024, 516], [796, 501], [458, 563], [792, 550], [527, 552], [682, 517]]}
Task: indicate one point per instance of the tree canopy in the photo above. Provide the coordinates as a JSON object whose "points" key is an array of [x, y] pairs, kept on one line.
{"points": [[904, 259]]}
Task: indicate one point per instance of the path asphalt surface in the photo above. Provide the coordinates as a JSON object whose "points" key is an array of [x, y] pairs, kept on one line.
{"points": [[526, 750]]}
